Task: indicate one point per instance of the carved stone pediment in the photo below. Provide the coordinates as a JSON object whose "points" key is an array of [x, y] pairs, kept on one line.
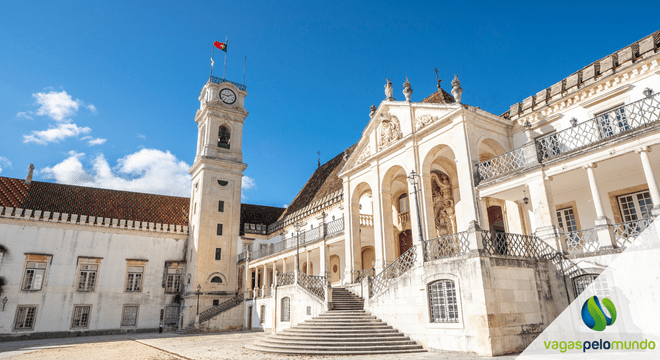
{"points": [[424, 120], [389, 130], [364, 155]]}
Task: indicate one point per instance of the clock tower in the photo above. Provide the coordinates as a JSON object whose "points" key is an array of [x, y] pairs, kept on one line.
{"points": [[215, 201]]}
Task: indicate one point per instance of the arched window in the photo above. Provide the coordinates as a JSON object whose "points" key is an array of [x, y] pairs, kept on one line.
{"points": [[262, 317], [443, 304], [286, 310], [224, 137], [403, 203], [216, 279]]}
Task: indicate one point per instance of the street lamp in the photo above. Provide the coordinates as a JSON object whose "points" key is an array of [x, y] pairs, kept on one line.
{"points": [[4, 302], [413, 180], [199, 288]]}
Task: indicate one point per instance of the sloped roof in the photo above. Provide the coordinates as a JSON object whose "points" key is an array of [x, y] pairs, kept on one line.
{"points": [[440, 97], [259, 214], [90, 201], [323, 182]]}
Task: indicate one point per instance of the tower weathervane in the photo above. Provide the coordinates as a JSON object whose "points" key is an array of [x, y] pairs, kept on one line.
{"points": [[437, 77]]}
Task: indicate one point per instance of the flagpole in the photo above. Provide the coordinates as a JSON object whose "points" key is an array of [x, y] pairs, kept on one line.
{"points": [[224, 72], [212, 51]]}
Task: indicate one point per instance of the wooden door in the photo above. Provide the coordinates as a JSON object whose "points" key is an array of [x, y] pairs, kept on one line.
{"points": [[249, 318], [496, 223], [335, 275], [405, 241]]}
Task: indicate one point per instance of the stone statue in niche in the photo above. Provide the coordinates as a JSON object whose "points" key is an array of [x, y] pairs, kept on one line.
{"points": [[390, 130], [389, 92], [443, 203]]}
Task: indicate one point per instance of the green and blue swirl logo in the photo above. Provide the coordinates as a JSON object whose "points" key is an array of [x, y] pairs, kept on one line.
{"points": [[594, 316]]}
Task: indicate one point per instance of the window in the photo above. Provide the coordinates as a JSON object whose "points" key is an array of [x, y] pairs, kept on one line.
{"points": [[173, 281], [80, 316], [171, 315], [262, 246], [612, 121], [443, 302], [582, 282], [286, 310], [635, 206], [223, 137], [134, 279], [262, 316], [129, 317], [219, 229], [87, 277], [403, 203], [217, 279], [34, 276], [248, 247], [566, 219], [221, 206], [25, 316], [218, 253], [216, 302]]}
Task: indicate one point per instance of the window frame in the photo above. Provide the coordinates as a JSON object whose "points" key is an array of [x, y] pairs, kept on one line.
{"points": [[637, 207], [221, 206], [34, 270], [34, 317], [219, 230], [226, 134], [262, 315], [132, 282], [171, 319], [445, 305], [123, 315], [218, 254], [285, 316], [173, 273], [428, 280], [73, 316], [87, 272]]}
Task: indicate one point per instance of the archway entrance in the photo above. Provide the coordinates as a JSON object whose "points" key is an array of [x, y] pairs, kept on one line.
{"points": [[335, 276], [405, 241], [368, 258], [496, 225]]}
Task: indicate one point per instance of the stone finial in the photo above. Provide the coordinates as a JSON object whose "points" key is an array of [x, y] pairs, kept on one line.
{"points": [[389, 92], [28, 179], [373, 109], [456, 89], [407, 89], [347, 153]]}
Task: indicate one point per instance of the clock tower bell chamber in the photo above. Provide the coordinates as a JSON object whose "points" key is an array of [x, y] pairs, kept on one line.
{"points": [[215, 201]]}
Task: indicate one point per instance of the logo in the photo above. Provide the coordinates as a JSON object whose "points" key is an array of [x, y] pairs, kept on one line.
{"points": [[593, 315]]}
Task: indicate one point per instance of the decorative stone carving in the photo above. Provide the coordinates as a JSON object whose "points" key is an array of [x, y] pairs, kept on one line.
{"points": [[407, 89], [456, 89], [372, 111], [424, 120], [443, 204], [389, 92], [390, 130], [347, 154], [365, 154]]}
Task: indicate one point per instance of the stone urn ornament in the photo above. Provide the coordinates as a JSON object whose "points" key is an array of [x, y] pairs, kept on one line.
{"points": [[456, 89], [388, 90], [372, 111], [407, 89]]}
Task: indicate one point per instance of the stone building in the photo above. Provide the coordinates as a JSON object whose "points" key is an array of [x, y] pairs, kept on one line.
{"points": [[463, 229]]}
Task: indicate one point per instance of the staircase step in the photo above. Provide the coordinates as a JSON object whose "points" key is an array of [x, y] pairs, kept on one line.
{"points": [[331, 352], [339, 337]]}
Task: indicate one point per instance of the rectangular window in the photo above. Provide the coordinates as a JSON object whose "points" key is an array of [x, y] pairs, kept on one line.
{"points": [[87, 277], [248, 247], [219, 229], [221, 206], [566, 219], [80, 316], [129, 317], [218, 253], [635, 206], [134, 278], [216, 302], [34, 276], [171, 315], [25, 316], [173, 280]]}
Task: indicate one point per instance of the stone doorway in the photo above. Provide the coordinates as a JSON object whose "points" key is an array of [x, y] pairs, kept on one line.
{"points": [[249, 318], [335, 276], [496, 225], [405, 241]]}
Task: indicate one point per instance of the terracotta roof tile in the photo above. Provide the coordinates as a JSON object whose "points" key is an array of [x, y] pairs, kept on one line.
{"points": [[440, 97], [259, 214], [12, 192]]}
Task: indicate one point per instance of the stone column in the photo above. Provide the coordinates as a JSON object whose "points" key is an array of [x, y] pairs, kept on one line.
{"points": [[426, 207], [246, 283], [379, 263], [387, 224], [265, 278], [604, 231], [323, 271], [273, 280], [543, 206], [283, 265], [352, 242], [307, 260], [650, 178]]}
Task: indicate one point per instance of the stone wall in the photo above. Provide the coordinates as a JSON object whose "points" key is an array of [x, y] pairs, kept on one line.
{"points": [[301, 300], [230, 320]]}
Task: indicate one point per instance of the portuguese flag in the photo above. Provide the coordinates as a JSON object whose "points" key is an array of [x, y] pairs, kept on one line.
{"points": [[221, 46]]}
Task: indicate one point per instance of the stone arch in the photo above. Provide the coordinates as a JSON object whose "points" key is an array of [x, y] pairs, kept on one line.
{"points": [[394, 184], [489, 148], [213, 278], [224, 136], [441, 191], [368, 257]]}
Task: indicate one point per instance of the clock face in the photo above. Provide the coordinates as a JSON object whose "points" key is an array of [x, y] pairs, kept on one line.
{"points": [[227, 96]]}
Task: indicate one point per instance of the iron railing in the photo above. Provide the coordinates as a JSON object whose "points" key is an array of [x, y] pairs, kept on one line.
{"points": [[626, 232], [399, 267], [446, 246], [314, 284], [216, 310], [582, 241], [502, 164], [501, 243], [363, 274], [242, 256], [287, 278], [219, 80], [334, 227]]}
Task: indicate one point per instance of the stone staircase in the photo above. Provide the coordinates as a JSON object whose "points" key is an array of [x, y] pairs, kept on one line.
{"points": [[345, 330]]}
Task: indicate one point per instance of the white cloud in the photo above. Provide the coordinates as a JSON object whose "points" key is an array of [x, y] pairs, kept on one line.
{"points": [[148, 170], [57, 105], [4, 162], [24, 115], [248, 183], [97, 141], [141, 136], [62, 131], [91, 108]]}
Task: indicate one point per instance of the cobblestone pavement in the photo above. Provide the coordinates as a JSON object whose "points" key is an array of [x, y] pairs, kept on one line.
{"points": [[170, 346]]}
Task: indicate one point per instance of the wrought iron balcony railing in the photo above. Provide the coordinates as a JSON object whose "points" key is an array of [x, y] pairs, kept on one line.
{"points": [[605, 126], [446, 246], [626, 232], [397, 268], [287, 278], [314, 284], [363, 274], [219, 80]]}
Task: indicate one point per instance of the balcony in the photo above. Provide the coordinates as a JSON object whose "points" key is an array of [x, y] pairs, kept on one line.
{"points": [[608, 126]]}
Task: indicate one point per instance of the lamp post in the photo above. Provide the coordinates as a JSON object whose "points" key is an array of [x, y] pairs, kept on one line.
{"points": [[412, 179], [4, 302], [199, 288], [298, 225]]}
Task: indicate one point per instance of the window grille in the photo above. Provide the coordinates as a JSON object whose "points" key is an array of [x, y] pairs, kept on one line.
{"points": [[218, 253], [286, 310], [216, 302], [34, 275], [25, 316], [219, 229], [87, 277], [134, 280], [80, 316], [635, 206], [173, 280], [262, 316], [582, 282], [216, 279], [443, 302], [221, 206], [129, 317], [171, 315]]}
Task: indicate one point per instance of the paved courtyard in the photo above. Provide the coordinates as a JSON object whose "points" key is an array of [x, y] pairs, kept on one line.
{"points": [[170, 346]]}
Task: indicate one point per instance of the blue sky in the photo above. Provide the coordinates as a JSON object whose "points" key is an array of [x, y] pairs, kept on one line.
{"points": [[104, 93]]}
